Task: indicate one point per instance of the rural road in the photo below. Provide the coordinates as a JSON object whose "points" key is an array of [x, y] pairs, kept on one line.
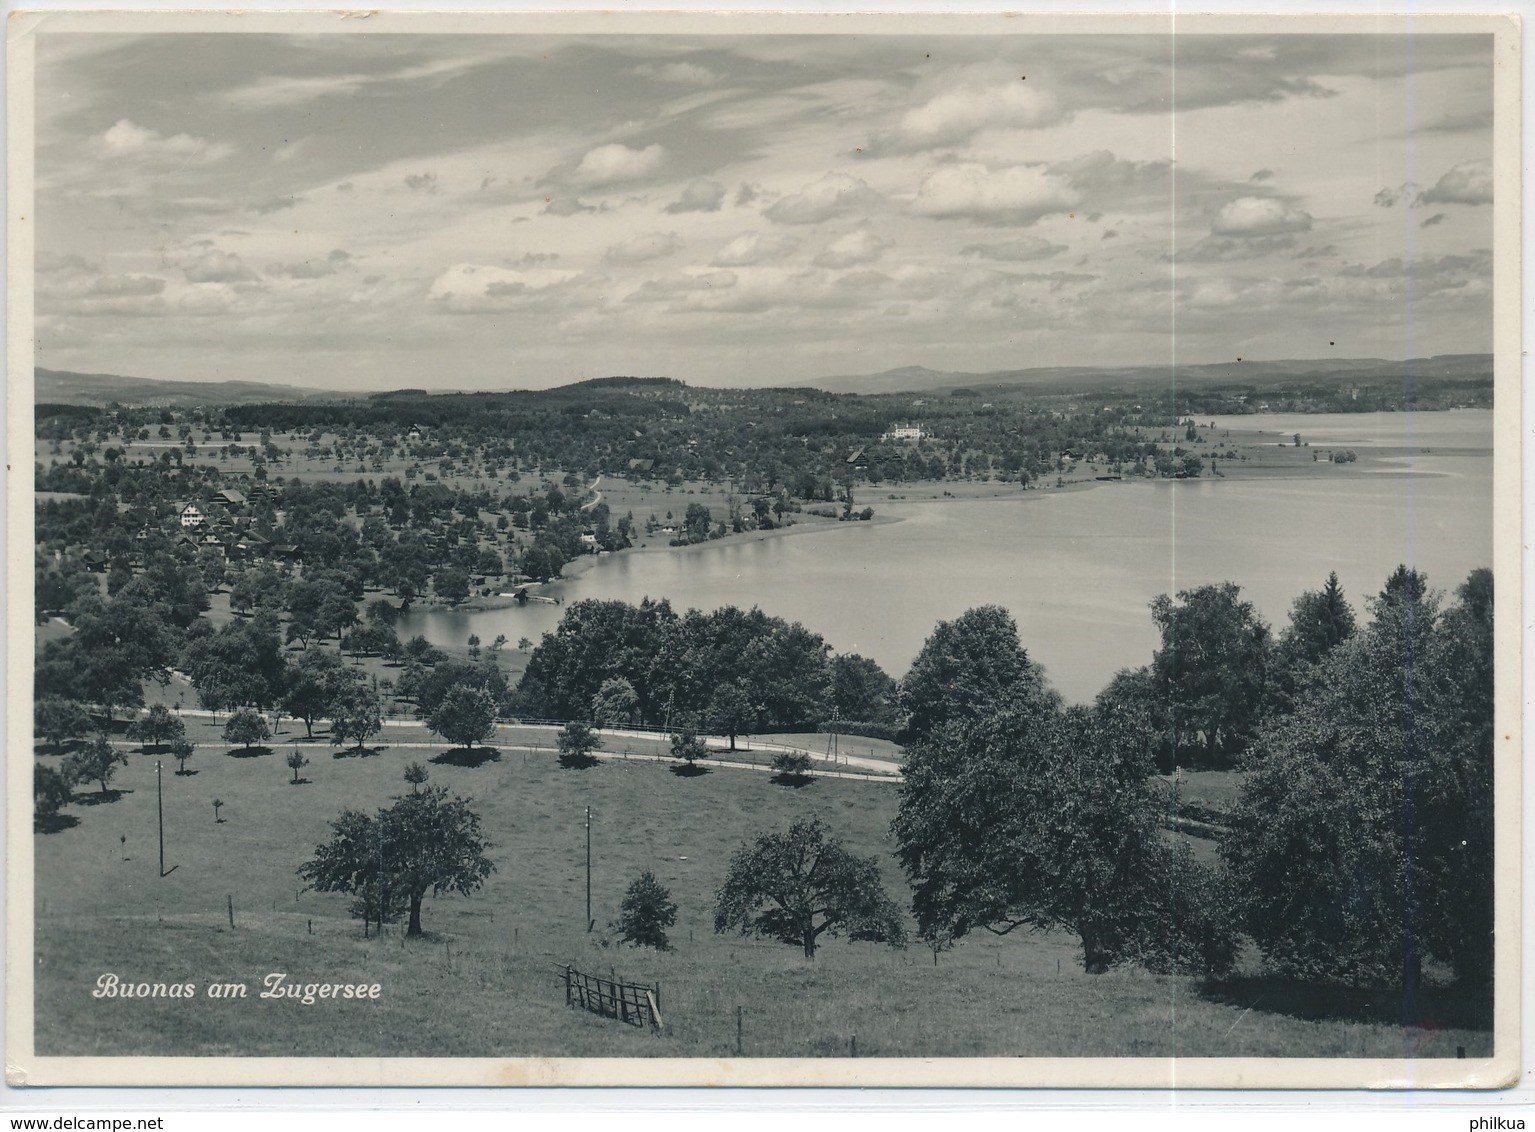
{"points": [[859, 768]]}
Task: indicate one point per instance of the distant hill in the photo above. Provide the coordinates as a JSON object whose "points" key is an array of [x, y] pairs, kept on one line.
{"points": [[919, 379], [66, 388]]}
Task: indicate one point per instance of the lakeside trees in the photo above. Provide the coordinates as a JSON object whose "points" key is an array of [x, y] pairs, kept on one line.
{"points": [[778, 674]]}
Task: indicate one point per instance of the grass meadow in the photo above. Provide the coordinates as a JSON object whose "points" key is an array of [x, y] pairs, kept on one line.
{"points": [[484, 980]]}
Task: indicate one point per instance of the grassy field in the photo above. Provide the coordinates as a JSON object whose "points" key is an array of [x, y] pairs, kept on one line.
{"points": [[484, 981]]}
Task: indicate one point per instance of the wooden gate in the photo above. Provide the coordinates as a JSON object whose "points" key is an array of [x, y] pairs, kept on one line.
{"points": [[634, 1003]]}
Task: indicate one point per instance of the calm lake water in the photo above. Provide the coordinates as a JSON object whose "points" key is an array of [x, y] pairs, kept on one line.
{"points": [[1078, 569]]}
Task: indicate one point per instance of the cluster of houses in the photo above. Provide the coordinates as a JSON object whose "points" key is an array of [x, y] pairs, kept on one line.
{"points": [[209, 524]]}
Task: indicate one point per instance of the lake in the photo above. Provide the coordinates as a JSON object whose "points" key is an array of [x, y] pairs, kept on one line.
{"points": [[1077, 569]]}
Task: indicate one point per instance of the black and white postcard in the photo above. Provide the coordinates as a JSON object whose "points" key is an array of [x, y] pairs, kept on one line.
{"points": [[750, 549]]}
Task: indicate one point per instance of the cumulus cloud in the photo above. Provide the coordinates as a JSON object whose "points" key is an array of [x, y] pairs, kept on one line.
{"points": [[337, 260], [274, 204], [1262, 175], [1018, 250], [701, 195], [1015, 194], [210, 265], [956, 115], [752, 248], [1259, 216], [667, 287], [126, 141], [1470, 182], [686, 74], [567, 206], [617, 163], [69, 283], [853, 250], [421, 182], [472, 288], [1434, 274], [1437, 218], [835, 194], [644, 247]]}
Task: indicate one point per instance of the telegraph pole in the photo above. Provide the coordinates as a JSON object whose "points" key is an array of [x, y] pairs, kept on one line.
{"points": [[588, 868], [160, 809]]}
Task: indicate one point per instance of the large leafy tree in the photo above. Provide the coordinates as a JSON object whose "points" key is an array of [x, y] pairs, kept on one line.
{"points": [[862, 690], [156, 727], [1028, 817], [1212, 671], [799, 885], [425, 842], [466, 714], [96, 762], [1362, 838], [315, 684], [616, 703], [966, 667], [247, 726], [596, 641], [355, 715], [731, 711], [241, 665], [58, 721]]}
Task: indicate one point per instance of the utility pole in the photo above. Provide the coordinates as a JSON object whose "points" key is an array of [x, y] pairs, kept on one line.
{"points": [[588, 868], [160, 809]]}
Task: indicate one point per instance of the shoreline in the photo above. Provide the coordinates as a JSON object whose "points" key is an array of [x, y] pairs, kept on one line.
{"points": [[1265, 462]]}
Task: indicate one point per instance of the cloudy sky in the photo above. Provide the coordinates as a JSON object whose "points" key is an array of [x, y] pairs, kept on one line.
{"points": [[377, 211]]}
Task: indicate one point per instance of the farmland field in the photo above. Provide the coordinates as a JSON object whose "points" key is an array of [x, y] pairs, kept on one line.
{"points": [[102, 908]]}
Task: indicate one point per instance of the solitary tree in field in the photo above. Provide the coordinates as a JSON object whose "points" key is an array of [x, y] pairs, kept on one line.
{"points": [[296, 763], [467, 713], [416, 775], [577, 742], [425, 842], [792, 766], [181, 750], [157, 726], [97, 761], [646, 913], [686, 745], [247, 726], [796, 886]]}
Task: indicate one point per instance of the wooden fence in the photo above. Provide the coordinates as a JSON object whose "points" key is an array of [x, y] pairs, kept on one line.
{"points": [[634, 1003]]}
